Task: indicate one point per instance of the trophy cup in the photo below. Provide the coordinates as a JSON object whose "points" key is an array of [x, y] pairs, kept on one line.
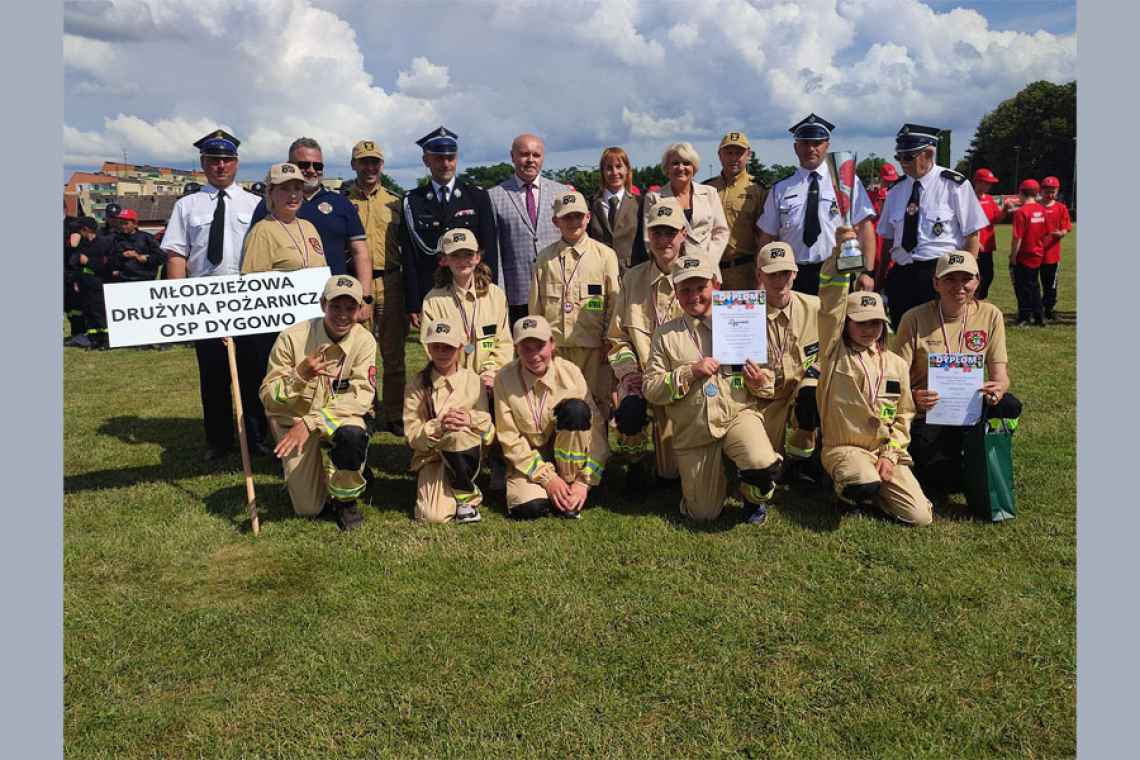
{"points": [[841, 165]]}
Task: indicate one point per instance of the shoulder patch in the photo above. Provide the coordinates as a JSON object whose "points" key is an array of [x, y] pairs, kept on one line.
{"points": [[953, 176]]}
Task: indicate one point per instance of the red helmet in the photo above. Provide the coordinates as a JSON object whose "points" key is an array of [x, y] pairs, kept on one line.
{"points": [[985, 175]]}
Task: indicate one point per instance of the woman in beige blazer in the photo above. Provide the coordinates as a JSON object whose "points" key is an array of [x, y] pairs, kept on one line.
{"points": [[708, 229]]}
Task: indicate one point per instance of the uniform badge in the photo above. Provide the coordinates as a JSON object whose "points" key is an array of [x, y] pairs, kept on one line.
{"points": [[372, 377], [316, 243], [976, 340], [834, 209], [888, 411], [324, 207], [937, 228]]}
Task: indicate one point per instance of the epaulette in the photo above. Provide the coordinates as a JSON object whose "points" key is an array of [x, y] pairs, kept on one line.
{"points": [[953, 176], [470, 185], [786, 176]]}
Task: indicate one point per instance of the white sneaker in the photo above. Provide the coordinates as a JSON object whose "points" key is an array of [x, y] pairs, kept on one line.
{"points": [[467, 514]]}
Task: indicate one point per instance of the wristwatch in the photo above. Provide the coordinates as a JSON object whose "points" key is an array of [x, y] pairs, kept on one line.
{"points": [[368, 299]]}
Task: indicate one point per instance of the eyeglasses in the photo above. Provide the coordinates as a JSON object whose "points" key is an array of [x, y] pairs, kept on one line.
{"points": [[315, 165]]}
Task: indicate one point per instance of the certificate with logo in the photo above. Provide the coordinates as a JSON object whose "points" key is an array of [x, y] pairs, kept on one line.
{"points": [[740, 326], [957, 378]]}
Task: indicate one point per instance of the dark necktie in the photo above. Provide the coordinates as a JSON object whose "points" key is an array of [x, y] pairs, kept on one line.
{"points": [[443, 195], [217, 231], [613, 210], [531, 205], [811, 213], [910, 223]]}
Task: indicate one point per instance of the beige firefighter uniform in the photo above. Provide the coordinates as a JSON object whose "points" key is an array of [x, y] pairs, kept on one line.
{"points": [[979, 329], [743, 201], [436, 497], [574, 288], [380, 214], [647, 301], [273, 246], [484, 318], [324, 405], [717, 417], [793, 352], [524, 422], [865, 405]]}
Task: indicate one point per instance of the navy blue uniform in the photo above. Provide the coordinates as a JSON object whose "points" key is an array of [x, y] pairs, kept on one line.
{"points": [[336, 220], [100, 253], [131, 270], [424, 220]]}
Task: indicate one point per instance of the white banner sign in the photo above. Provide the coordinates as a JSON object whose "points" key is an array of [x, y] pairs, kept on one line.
{"points": [[169, 311]]}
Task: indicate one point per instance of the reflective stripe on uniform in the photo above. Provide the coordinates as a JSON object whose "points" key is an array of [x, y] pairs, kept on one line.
{"points": [[331, 423], [754, 494], [346, 494]]}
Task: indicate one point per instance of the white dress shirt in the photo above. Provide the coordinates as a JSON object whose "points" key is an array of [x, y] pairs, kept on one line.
{"points": [[785, 206], [948, 211], [435, 186], [188, 230]]}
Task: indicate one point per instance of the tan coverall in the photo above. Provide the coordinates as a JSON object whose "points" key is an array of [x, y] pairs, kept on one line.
{"points": [[743, 200], [705, 427], [380, 214], [436, 499], [272, 246], [647, 300], [486, 314], [920, 334], [865, 408], [584, 278], [795, 328], [323, 405], [530, 445]]}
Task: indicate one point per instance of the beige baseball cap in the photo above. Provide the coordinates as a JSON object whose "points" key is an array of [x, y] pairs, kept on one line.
{"points": [[343, 285], [777, 257], [444, 331], [956, 261], [458, 239], [367, 149], [569, 203], [279, 173], [735, 138], [689, 267], [667, 212], [865, 306], [532, 326]]}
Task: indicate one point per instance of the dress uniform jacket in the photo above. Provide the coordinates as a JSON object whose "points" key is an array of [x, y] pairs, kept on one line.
{"points": [[519, 397], [132, 270], [708, 229], [948, 212], [484, 315], [583, 275], [425, 219], [626, 235], [742, 200], [520, 241], [272, 246], [786, 206], [980, 329]]}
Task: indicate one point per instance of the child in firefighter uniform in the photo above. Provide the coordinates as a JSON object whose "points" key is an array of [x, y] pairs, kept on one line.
{"points": [[447, 424], [864, 401], [320, 384], [464, 294], [553, 438], [647, 301], [789, 406], [574, 286], [715, 410]]}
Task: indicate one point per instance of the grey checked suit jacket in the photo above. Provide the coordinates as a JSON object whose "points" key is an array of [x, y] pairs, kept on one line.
{"points": [[519, 241]]}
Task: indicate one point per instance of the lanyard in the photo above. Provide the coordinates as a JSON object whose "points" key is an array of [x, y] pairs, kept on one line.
{"points": [[778, 364], [303, 251], [566, 282], [535, 414], [468, 327], [872, 395], [657, 318], [696, 341], [961, 331], [331, 386]]}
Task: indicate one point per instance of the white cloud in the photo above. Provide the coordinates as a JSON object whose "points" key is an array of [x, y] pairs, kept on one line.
{"points": [[612, 28], [87, 55], [644, 125], [424, 80], [683, 35]]}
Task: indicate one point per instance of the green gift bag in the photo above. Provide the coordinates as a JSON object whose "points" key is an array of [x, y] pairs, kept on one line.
{"points": [[988, 476]]}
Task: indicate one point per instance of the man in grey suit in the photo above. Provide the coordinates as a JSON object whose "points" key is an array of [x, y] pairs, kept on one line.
{"points": [[522, 207]]}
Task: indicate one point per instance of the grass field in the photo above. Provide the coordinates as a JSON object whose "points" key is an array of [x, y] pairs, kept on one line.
{"points": [[628, 634]]}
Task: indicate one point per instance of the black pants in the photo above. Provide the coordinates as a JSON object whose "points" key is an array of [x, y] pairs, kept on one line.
{"points": [[94, 308], [909, 285], [217, 402], [1048, 276], [985, 274], [73, 304], [937, 449], [1027, 288], [516, 313], [807, 279]]}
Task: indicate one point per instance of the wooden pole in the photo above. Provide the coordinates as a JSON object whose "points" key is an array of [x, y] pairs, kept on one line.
{"points": [[250, 496]]}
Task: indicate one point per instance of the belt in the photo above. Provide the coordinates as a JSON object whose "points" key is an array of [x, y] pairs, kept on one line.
{"points": [[736, 261], [381, 272]]}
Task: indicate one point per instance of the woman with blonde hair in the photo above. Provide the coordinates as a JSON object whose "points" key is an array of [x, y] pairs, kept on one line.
{"points": [[708, 228], [616, 210]]}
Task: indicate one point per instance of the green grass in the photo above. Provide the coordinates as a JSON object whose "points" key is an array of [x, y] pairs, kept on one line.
{"points": [[628, 634]]}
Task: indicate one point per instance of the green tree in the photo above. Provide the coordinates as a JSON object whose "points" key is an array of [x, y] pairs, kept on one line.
{"points": [[1031, 134], [487, 176], [868, 168], [391, 185]]}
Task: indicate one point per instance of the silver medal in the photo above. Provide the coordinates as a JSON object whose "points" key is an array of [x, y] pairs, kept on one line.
{"points": [[469, 348], [567, 307], [711, 390]]}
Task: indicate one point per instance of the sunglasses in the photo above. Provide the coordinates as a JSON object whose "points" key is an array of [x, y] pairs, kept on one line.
{"points": [[316, 165], [905, 158]]}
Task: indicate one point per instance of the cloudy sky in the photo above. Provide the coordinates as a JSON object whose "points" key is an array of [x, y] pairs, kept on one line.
{"points": [[149, 77]]}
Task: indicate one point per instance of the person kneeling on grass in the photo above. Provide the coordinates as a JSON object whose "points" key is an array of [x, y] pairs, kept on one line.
{"points": [[864, 401], [553, 438], [715, 409], [320, 384], [447, 424]]}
